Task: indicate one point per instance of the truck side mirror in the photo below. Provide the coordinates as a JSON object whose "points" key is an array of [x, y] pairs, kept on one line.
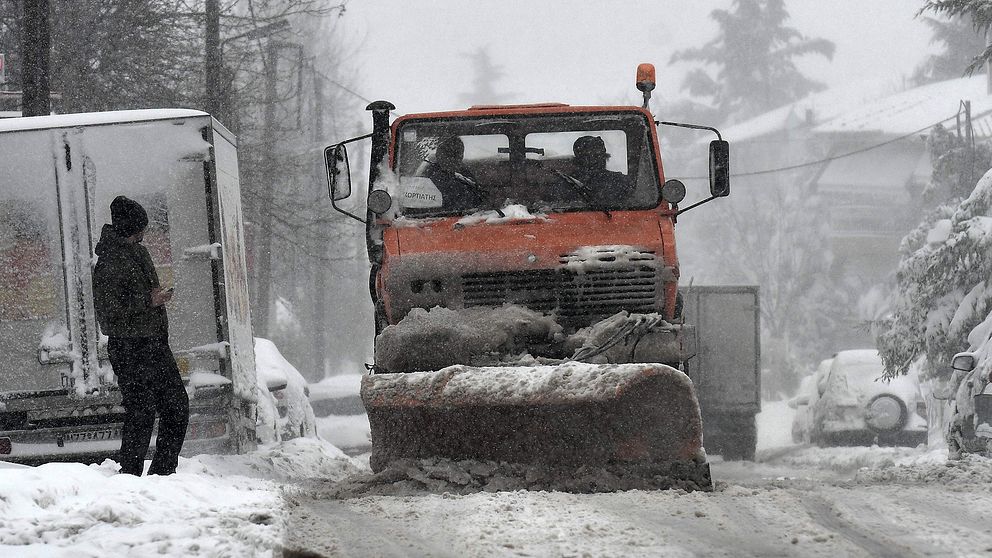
{"points": [[338, 171], [719, 168]]}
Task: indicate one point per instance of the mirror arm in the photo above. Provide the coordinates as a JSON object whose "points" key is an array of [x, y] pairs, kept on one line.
{"points": [[352, 215], [697, 204], [693, 126], [354, 139]]}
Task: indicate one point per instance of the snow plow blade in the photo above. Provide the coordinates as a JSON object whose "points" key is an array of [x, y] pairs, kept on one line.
{"points": [[641, 416]]}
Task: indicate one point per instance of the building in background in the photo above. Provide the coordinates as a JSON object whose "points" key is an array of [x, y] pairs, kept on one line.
{"points": [[862, 149]]}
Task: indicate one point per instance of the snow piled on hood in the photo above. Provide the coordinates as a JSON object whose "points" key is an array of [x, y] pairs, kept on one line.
{"points": [[459, 336], [510, 213]]}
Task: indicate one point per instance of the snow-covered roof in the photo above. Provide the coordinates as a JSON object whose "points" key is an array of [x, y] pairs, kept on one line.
{"points": [[918, 109], [94, 118], [819, 107], [869, 106]]}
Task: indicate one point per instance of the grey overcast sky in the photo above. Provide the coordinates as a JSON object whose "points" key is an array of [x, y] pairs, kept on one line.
{"points": [[415, 52]]}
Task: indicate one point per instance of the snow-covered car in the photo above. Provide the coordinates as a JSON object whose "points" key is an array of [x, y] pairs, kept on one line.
{"points": [[857, 407], [284, 410], [806, 397], [970, 392], [341, 418]]}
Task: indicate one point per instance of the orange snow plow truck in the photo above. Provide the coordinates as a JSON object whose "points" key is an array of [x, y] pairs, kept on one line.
{"points": [[525, 284]]}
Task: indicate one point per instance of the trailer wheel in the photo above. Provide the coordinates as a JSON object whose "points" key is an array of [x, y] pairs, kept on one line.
{"points": [[733, 435]]}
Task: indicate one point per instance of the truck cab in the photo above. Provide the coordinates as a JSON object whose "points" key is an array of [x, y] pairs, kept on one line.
{"points": [[509, 204]]}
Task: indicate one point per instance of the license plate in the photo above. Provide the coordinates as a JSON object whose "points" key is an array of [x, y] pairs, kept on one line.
{"points": [[93, 435]]}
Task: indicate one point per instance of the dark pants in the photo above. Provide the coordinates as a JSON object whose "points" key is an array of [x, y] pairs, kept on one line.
{"points": [[150, 383]]}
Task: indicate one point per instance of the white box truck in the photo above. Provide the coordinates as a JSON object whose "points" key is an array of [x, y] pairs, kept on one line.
{"points": [[58, 175]]}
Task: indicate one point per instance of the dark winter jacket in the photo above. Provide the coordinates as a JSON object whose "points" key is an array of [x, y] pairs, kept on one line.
{"points": [[123, 280]]}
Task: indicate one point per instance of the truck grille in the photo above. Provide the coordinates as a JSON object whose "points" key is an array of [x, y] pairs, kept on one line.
{"points": [[576, 294]]}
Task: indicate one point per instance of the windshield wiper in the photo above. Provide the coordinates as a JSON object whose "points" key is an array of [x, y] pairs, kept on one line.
{"points": [[584, 190], [466, 181], [579, 185]]}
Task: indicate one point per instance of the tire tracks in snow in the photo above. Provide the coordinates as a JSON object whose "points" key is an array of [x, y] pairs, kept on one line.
{"points": [[874, 543], [330, 528]]}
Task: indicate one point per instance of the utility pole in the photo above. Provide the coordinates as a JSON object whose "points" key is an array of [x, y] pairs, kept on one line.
{"points": [[969, 138], [988, 63], [320, 270], [213, 60], [35, 87], [267, 179]]}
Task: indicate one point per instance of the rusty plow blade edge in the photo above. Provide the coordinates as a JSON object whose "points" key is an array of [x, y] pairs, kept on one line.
{"points": [[630, 415]]}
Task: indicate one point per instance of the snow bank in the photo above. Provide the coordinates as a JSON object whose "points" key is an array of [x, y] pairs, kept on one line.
{"points": [[932, 468], [847, 459], [213, 505]]}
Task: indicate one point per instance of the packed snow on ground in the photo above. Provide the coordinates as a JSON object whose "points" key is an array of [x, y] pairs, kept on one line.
{"points": [[212, 506], [234, 505]]}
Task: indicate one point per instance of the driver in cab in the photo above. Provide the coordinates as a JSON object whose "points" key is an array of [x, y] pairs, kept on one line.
{"points": [[459, 188], [599, 186]]}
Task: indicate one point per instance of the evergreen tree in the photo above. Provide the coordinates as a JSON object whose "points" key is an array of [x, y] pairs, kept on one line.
{"points": [[754, 60], [960, 42], [487, 74], [979, 12]]}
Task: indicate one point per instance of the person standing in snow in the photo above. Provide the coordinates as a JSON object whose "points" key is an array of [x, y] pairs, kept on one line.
{"points": [[130, 307]]}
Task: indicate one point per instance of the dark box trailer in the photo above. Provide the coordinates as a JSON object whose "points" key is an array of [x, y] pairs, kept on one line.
{"points": [[724, 344], [58, 397]]}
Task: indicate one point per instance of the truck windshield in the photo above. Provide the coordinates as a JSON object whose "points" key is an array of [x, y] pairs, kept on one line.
{"points": [[549, 163]]}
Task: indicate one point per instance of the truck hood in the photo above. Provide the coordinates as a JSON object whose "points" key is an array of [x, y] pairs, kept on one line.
{"points": [[537, 242]]}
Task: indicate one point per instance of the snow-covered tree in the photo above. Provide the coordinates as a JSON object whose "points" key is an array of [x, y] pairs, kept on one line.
{"points": [[943, 284], [957, 165], [753, 57]]}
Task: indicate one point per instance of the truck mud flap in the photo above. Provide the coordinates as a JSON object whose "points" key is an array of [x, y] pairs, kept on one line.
{"points": [[569, 415]]}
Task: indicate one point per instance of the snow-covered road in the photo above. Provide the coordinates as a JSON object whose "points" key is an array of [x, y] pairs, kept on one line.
{"points": [[779, 508], [794, 501]]}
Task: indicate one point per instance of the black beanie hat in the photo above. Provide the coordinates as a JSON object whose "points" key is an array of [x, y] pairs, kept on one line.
{"points": [[127, 216]]}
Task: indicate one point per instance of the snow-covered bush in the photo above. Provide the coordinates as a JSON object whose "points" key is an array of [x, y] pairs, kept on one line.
{"points": [[943, 287]]}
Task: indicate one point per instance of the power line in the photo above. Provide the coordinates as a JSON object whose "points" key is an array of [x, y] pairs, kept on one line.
{"points": [[346, 88], [833, 157]]}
